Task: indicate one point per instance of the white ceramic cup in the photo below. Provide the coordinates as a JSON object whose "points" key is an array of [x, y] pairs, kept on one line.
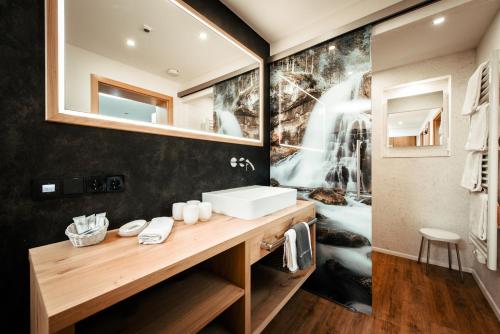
{"points": [[205, 211], [193, 202], [177, 209], [191, 213]]}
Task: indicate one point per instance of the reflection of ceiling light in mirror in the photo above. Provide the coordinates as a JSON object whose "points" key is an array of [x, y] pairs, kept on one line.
{"points": [[130, 42], [331, 47], [203, 35], [173, 72], [400, 123], [438, 20], [349, 73]]}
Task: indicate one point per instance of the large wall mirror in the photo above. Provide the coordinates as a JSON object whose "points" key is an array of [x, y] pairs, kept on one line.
{"points": [[153, 66], [416, 119]]}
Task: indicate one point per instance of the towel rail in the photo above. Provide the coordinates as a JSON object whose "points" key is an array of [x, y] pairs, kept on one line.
{"points": [[271, 246], [489, 173]]}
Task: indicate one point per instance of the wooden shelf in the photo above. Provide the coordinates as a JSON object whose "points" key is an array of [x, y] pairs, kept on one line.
{"points": [[184, 305], [215, 328], [271, 290]]}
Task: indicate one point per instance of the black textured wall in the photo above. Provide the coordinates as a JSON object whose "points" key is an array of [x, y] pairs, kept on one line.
{"points": [[159, 170]]}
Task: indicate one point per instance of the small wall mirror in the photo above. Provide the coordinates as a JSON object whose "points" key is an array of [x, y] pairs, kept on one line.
{"points": [[416, 119], [154, 66]]}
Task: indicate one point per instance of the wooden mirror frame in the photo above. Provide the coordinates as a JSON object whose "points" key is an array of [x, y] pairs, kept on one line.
{"points": [[54, 85]]}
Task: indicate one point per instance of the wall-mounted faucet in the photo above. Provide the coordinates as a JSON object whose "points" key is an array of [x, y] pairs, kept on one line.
{"points": [[242, 162]]}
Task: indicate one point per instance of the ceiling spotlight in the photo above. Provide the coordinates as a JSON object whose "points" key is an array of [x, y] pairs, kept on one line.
{"points": [[203, 35], [130, 42], [173, 72], [438, 20]]}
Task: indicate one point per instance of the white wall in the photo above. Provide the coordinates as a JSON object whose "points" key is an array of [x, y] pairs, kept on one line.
{"points": [[80, 63], [410, 193], [490, 279], [196, 112], [490, 40]]}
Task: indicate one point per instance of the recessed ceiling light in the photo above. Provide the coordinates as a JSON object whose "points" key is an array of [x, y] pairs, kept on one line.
{"points": [[203, 35], [173, 72], [400, 122], [130, 42], [438, 20], [331, 47]]}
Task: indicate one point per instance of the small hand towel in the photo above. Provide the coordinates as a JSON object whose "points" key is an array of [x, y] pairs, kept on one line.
{"points": [[477, 139], [290, 251], [471, 100], [157, 231], [303, 243], [478, 215], [471, 178]]}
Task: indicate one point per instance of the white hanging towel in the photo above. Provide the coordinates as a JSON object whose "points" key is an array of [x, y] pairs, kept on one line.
{"points": [[471, 100], [478, 130], [471, 178], [290, 251], [478, 214], [157, 231]]}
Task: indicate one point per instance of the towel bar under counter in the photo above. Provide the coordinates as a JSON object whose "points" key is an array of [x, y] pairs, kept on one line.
{"points": [[271, 246]]}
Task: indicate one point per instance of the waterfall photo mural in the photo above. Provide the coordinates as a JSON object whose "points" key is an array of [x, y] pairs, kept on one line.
{"points": [[321, 145], [236, 105]]}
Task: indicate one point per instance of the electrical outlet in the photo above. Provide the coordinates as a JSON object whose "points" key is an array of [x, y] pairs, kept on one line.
{"points": [[115, 183], [95, 184]]}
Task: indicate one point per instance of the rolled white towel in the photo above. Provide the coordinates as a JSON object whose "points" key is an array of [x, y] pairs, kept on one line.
{"points": [[157, 231]]}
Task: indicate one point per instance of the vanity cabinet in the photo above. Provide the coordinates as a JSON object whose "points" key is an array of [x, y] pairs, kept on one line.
{"points": [[213, 277]]}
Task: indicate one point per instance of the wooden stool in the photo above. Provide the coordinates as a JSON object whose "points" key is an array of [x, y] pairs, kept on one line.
{"points": [[434, 234]]}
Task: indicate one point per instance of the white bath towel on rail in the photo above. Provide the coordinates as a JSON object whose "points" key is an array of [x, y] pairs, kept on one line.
{"points": [[471, 178], [478, 214], [478, 130], [290, 251], [473, 89]]}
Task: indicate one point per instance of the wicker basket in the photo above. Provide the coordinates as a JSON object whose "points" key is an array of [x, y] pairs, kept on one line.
{"points": [[82, 240]]}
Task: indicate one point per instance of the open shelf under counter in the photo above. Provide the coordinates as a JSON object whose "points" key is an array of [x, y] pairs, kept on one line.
{"points": [[200, 273], [184, 304], [271, 290]]}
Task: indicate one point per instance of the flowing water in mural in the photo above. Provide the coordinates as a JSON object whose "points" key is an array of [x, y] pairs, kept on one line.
{"points": [[321, 145]]}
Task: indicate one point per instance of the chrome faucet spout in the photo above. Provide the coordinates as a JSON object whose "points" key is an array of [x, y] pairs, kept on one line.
{"points": [[249, 163]]}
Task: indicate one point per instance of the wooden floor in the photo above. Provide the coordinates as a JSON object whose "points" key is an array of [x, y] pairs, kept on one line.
{"points": [[405, 300]]}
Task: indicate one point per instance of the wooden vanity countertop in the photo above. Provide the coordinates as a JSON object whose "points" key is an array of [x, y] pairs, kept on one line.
{"points": [[70, 283]]}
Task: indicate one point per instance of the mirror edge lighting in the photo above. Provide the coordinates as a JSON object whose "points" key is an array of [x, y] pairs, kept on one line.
{"points": [[54, 92], [421, 151]]}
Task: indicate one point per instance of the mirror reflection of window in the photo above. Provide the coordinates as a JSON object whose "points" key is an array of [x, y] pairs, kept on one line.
{"points": [[116, 99], [414, 121]]}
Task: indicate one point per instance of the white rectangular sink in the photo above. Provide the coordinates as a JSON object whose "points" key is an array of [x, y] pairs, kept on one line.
{"points": [[250, 202]]}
